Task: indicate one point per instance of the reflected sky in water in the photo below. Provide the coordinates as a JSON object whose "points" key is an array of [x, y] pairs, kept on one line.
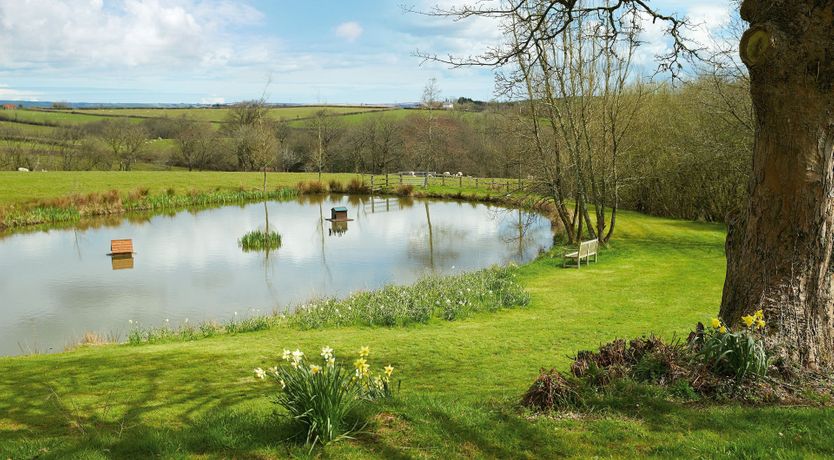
{"points": [[55, 285]]}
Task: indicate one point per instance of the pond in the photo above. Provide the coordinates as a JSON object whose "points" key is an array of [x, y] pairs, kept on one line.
{"points": [[58, 284]]}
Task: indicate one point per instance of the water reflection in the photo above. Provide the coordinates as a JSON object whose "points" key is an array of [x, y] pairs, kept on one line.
{"points": [[56, 284]]}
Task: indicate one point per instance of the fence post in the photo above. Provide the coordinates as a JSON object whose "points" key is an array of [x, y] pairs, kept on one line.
{"points": [[443, 180], [426, 180], [476, 182], [372, 183], [401, 179], [386, 180], [460, 181], [508, 186]]}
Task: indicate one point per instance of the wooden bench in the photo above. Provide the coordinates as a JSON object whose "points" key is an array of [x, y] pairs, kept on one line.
{"points": [[586, 250], [121, 247]]}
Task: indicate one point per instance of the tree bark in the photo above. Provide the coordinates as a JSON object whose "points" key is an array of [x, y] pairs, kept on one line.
{"points": [[779, 248]]}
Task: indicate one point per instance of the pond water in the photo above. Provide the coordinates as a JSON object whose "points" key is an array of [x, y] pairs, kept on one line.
{"points": [[58, 284]]}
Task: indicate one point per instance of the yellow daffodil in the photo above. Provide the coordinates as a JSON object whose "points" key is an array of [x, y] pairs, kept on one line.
{"points": [[722, 329], [716, 323], [315, 369], [389, 370], [359, 363], [364, 351], [759, 314], [760, 323], [748, 320]]}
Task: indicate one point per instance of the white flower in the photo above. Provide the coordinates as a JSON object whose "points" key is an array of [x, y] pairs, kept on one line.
{"points": [[260, 373], [274, 370], [326, 353], [331, 361], [297, 356], [130, 321], [286, 355], [283, 385]]}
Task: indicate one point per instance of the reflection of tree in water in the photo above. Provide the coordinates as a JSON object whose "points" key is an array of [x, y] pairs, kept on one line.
{"points": [[516, 228], [434, 244]]}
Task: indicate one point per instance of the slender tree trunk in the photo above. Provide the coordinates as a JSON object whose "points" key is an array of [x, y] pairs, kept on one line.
{"points": [[779, 248]]}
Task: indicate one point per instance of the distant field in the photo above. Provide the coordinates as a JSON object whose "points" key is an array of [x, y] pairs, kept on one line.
{"points": [[49, 117], [22, 187], [23, 129], [219, 114]]}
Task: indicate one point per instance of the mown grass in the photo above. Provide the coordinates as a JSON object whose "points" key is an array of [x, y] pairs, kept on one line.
{"points": [[460, 381]]}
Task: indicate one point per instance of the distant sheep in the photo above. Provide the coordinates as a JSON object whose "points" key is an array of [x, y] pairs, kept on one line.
{"points": [[459, 174], [22, 169], [446, 173]]}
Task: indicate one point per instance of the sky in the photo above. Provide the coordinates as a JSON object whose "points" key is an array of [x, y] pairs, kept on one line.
{"points": [[223, 51]]}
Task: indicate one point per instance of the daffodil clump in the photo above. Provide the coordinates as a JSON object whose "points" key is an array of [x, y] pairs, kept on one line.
{"points": [[740, 353], [449, 298], [321, 394]]}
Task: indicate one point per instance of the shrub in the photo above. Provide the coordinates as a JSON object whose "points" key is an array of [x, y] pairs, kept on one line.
{"points": [[739, 354], [311, 187], [321, 398], [335, 186], [552, 390], [358, 187], [404, 190], [260, 240]]}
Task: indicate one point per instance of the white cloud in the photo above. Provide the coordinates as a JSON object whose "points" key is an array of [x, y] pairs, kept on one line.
{"points": [[40, 34], [213, 100], [349, 31], [10, 94]]}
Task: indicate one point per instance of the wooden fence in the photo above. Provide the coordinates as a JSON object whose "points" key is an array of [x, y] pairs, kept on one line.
{"points": [[380, 182]]}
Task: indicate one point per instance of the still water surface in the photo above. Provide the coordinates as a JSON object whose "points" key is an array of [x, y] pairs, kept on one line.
{"points": [[56, 285]]}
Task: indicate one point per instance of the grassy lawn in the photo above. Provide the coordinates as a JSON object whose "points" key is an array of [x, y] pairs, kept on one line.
{"points": [[461, 381]]}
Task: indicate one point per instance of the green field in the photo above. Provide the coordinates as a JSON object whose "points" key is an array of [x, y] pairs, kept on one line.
{"points": [[461, 381], [220, 114]]}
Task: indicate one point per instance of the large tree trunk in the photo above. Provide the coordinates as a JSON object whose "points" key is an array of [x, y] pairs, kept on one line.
{"points": [[779, 248]]}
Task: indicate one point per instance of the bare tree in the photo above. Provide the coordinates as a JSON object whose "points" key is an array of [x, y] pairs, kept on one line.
{"points": [[125, 139], [326, 130], [779, 249], [195, 144]]}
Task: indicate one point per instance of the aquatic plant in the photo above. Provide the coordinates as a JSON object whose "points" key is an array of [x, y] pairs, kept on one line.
{"points": [[260, 240]]}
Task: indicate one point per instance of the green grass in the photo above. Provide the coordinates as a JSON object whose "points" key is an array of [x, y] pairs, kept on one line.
{"points": [[216, 114], [461, 380]]}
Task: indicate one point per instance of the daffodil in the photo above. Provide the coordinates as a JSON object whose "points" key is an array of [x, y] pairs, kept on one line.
{"points": [[389, 370], [364, 351], [273, 370], [286, 355], [331, 362], [297, 355], [759, 314], [722, 329], [315, 369], [260, 373], [283, 385], [326, 353], [748, 320], [760, 323], [716, 323]]}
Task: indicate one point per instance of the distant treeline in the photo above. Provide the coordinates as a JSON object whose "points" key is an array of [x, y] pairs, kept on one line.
{"points": [[686, 153]]}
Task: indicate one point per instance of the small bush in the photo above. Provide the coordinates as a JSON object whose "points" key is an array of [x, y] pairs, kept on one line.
{"points": [[552, 390], [170, 191], [404, 190], [356, 186], [311, 187], [322, 398], [259, 240], [335, 186]]}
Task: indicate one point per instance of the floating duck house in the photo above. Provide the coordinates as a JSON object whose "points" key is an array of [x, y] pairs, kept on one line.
{"points": [[339, 214]]}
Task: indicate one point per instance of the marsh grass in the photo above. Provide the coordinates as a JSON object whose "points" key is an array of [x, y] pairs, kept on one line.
{"points": [[260, 240], [72, 208]]}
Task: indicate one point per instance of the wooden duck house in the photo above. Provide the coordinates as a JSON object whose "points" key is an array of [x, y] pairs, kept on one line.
{"points": [[339, 214]]}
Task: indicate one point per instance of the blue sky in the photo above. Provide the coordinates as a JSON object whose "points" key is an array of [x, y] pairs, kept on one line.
{"points": [[192, 51]]}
